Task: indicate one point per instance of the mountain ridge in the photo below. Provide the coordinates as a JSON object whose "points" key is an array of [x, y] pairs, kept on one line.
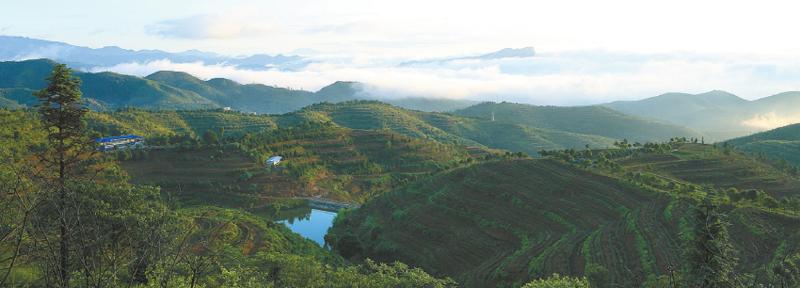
{"points": [[181, 90], [718, 114]]}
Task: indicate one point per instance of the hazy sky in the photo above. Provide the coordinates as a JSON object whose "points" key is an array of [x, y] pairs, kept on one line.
{"points": [[588, 51]]}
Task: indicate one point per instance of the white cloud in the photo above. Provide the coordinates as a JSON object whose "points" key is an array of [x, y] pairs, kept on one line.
{"points": [[209, 26]]}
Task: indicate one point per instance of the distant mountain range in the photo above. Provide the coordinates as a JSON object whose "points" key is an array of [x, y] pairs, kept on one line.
{"points": [[718, 114], [179, 90], [22, 48], [524, 52]]}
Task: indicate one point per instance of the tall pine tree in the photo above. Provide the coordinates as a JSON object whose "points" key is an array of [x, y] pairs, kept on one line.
{"points": [[61, 112]]}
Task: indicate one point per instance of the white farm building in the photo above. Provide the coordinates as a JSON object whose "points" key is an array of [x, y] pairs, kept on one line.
{"points": [[274, 160]]}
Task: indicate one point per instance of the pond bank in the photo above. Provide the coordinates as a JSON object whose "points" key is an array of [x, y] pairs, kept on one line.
{"points": [[327, 205]]}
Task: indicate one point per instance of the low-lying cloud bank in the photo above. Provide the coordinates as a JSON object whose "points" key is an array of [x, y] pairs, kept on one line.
{"points": [[576, 78], [770, 120]]}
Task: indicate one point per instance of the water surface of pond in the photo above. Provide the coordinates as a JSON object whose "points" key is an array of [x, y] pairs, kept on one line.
{"points": [[313, 225]]}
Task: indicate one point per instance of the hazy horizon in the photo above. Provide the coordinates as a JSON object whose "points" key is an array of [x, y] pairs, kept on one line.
{"points": [[586, 53]]}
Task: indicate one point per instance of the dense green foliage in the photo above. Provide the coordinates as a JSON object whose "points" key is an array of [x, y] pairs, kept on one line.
{"points": [[558, 281]]}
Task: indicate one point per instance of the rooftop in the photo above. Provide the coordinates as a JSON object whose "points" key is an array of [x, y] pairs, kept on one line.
{"points": [[118, 138]]}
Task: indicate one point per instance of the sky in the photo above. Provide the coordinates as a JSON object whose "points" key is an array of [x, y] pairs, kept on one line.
{"points": [[587, 51]]}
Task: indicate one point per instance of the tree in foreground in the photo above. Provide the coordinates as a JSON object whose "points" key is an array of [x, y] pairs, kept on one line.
{"points": [[710, 255], [61, 114]]}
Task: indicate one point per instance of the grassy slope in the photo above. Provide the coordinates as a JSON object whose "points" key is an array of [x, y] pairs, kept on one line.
{"points": [[595, 120], [467, 224]]}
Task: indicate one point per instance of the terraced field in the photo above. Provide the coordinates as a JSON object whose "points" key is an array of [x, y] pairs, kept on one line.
{"points": [[484, 228], [706, 165], [206, 176], [337, 163], [504, 223]]}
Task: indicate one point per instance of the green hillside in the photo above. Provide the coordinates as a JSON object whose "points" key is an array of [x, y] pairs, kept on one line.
{"points": [[375, 115], [593, 120], [177, 123], [513, 137], [447, 128], [781, 143], [504, 223]]}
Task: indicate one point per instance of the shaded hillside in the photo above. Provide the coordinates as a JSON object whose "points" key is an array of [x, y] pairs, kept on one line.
{"points": [[593, 120], [467, 224], [782, 143], [718, 114]]}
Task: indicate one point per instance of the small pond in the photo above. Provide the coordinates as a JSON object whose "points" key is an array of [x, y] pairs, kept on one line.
{"points": [[313, 225]]}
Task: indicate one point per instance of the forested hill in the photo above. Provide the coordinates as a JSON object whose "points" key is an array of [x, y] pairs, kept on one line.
{"points": [[177, 90], [780, 144], [595, 120]]}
